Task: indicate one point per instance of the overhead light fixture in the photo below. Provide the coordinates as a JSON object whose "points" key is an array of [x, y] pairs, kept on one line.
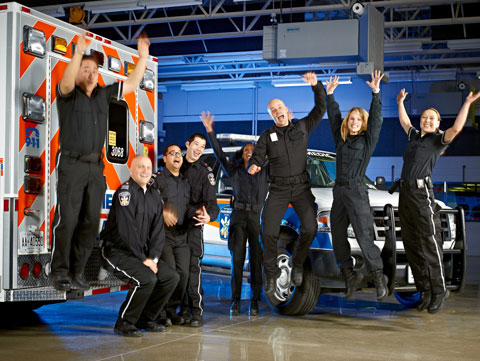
{"points": [[241, 84], [463, 44], [358, 8], [402, 46], [109, 6], [293, 81]]}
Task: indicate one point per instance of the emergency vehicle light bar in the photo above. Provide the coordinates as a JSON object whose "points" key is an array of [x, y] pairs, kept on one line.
{"points": [[33, 108], [34, 41], [237, 137]]}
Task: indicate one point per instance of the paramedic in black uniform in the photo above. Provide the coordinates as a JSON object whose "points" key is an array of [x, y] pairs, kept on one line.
{"points": [[82, 113], [249, 195], [175, 191], [133, 241], [285, 144], [355, 139], [203, 199], [419, 215]]}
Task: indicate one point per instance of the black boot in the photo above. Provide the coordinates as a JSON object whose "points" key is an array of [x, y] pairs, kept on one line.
{"points": [[235, 308], [254, 308], [425, 298], [352, 281], [437, 302], [380, 281]]}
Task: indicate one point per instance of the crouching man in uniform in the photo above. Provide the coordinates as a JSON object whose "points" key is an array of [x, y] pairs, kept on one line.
{"points": [[133, 241]]}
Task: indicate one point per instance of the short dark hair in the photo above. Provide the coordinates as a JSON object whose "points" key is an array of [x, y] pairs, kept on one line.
{"points": [[197, 135], [166, 149], [92, 58]]}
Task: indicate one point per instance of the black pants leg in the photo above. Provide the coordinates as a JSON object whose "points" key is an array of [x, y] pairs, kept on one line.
{"points": [[255, 254], [237, 242], [195, 287], [80, 191]]}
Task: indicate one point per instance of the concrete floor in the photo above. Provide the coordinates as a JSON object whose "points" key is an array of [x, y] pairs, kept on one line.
{"points": [[337, 329]]}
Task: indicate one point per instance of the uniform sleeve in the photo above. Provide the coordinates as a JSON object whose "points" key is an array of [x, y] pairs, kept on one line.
{"points": [[260, 151], [156, 239], [114, 90], [61, 96], [210, 197], [334, 118], [375, 119], [318, 111], [220, 154], [125, 206]]}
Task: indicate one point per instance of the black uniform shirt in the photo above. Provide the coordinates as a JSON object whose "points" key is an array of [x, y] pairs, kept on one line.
{"points": [[354, 154], [202, 187], [248, 189], [135, 221], [175, 193], [422, 153], [286, 147], [83, 120]]}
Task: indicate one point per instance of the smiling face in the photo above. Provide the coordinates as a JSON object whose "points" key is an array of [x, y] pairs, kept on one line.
{"points": [[429, 121], [355, 123], [141, 170], [247, 152], [87, 77], [195, 149], [173, 159], [278, 112]]}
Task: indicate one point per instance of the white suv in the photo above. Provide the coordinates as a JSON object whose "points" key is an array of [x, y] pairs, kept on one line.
{"points": [[321, 273]]}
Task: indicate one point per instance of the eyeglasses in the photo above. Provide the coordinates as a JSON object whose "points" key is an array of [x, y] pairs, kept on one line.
{"points": [[175, 153]]}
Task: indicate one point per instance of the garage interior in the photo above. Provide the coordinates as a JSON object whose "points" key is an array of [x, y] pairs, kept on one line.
{"points": [[222, 56]]}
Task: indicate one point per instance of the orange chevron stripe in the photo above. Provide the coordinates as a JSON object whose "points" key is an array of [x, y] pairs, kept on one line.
{"points": [[54, 146], [52, 214], [151, 99], [131, 155], [26, 59], [42, 228], [41, 91]]}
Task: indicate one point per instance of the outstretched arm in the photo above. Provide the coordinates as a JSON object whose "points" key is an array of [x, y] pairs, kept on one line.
{"points": [[207, 120], [376, 79], [332, 84], [402, 113], [318, 111], [137, 75], [457, 127], [68, 80]]}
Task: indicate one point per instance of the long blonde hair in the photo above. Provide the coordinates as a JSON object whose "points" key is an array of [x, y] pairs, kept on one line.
{"points": [[344, 128]]}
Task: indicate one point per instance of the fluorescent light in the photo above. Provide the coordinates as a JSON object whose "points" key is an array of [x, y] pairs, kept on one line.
{"points": [[110, 6], [401, 46], [237, 137], [218, 85], [293, 81], [463, 44]]}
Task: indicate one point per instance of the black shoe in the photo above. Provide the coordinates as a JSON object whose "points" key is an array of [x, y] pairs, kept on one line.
{"points": [[196, 321], [353, 280], [297, 276], [425, 299], [150, 326], [270, 284], [177, 320], [185, 314], [380, 281], [235, 308], [165, 322], [60, 283], [127, 329], [437, 302], [79, 282], [254, 308]]}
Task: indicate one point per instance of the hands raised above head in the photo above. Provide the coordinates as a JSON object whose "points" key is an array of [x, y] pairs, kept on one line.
{"points": [[207, 121], [310, 77], [401, 96], [143, 44], [470, 99], [332, 84], [376, 78]]}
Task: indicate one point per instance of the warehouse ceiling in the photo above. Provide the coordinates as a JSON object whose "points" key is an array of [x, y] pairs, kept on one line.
{"points": [[221, 40]]}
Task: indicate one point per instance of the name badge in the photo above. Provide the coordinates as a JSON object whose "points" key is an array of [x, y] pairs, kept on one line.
{"points": [[273, 137]]}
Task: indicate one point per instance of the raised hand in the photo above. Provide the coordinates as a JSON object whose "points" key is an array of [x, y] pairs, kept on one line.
{"points": [[207, 121], [82, 43], [332, 84], [310, 77], [472, 98], [376, 78], [143, 44], [401, 96]]}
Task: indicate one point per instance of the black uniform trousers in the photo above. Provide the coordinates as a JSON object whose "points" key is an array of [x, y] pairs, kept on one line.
{"points": [[303, 202], [193, 299], [80, 190], [421, 236], [245, 225], [176, 254], [149, 292], [352, 206]]}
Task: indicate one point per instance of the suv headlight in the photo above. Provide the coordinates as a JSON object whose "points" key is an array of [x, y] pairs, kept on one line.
{"points": [[453, 225], [323, 221]]}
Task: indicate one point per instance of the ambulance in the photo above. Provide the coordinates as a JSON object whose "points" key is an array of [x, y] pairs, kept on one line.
{"points": [[36, 49]]}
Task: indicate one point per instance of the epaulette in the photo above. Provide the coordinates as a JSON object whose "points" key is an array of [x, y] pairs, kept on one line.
{"points": [[125, 185]]}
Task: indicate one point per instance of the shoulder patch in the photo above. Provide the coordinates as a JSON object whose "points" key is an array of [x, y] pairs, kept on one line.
{"points": [[211, 179], [124, 198]]}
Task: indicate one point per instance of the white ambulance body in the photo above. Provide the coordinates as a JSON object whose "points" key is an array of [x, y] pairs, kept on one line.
{"points": [[35, 50]]}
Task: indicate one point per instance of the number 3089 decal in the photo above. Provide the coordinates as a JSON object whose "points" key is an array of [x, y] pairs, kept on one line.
{"points": [[117, 152]]}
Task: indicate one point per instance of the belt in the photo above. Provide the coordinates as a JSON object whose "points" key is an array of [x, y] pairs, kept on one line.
{"points": [[87, 158], [248, 206], [415, 184], [303, 178], [348, 182]]}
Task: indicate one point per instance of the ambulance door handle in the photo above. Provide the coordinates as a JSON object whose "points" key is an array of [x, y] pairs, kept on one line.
{"points": [[30, 211]]}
